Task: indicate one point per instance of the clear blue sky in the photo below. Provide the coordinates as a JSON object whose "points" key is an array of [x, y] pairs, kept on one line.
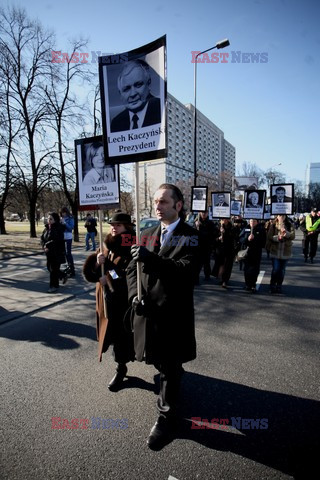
{"points": [[268, 111]]}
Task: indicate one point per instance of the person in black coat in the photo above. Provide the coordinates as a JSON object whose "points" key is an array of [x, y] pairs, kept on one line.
{"points": [[206, 230], [52, 241], [255, 241], [224, 248], [115, 258], [163, 322]]}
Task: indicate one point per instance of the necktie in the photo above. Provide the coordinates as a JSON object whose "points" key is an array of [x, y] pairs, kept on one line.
{"points": [[164, 232], [135, 119]]}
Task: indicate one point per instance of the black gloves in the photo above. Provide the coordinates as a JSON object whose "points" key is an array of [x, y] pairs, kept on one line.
{"points": [[139, 306], [140, 253]]}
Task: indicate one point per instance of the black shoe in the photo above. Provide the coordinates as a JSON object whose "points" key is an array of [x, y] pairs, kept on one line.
{"points": [[311, 259], [117, 381], [273, 289], [253, 290], [161, 433], [278, 289], [64, 279], [305, 259]]}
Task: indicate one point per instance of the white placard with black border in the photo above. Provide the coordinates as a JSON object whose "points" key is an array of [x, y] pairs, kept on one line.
{"points": [[236, 207], [282, 197], [221, 204], [254, 201], [98, 182], [199, 199], [133, 88]]}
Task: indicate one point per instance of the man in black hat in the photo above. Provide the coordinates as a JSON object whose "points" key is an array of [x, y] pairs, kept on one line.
{"points": [[312, 233], [164, 332]]}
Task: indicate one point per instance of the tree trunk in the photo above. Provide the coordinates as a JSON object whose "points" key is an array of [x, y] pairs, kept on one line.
{"points": [[32, 213], [2, 222]]}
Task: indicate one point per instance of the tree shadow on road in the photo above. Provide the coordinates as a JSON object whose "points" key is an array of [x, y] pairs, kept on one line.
{"points": [[291, 441], [50, 333]]}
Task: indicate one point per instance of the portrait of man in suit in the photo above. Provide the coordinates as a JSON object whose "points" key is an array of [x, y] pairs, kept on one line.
{"points": [[142, 109], [221, 200], [253, 200], [280, 196]]}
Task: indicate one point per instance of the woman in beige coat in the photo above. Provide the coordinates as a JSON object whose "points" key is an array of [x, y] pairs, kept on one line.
{"points": [[280, 235]]}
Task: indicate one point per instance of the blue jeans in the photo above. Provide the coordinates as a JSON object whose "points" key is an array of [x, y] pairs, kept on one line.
{"points": [[69, 256], [278, 271], [90, 236]]}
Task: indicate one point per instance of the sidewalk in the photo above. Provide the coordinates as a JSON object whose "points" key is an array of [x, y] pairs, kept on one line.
{"points": [[24, 281]]}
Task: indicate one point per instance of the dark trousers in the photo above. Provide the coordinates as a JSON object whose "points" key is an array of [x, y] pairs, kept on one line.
{"points": [[310, 245], [278, 271], [223, 267], [69, 254], [54, 268], [251, 272], [205, 263], [170, 380]]}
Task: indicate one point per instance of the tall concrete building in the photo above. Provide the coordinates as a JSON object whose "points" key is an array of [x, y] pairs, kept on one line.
{"points": [[312, 175], [216, 157]]}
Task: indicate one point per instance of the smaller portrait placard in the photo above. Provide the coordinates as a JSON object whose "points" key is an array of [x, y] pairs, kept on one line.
{"points": [[199, 199], [236, 207], [267, 211], [282, 197], [221, 204], [98, 182], [254, 201]]}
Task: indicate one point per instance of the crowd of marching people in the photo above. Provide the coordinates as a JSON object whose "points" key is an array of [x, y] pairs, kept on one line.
{"points": [[227, 241]]}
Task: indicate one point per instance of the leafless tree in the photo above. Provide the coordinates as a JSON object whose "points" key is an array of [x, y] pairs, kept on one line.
{"points": [[67, 116], [25, 53]]}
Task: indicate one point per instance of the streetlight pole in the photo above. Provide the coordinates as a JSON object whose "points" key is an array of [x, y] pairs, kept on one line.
{"points": [[222, 44]]}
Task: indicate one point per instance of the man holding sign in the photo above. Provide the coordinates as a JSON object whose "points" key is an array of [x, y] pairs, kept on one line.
{"points": [[162, 337]]}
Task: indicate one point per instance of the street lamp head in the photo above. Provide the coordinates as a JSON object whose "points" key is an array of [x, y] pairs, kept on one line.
{"points": [[223, 43]]}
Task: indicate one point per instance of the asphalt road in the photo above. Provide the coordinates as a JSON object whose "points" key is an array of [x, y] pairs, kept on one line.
{"points": [[258, 359]]}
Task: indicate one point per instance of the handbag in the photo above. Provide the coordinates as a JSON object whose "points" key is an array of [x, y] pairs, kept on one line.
{"points": [[242, 254]]}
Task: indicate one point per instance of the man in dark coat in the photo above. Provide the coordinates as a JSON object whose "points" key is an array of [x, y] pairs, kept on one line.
{"points": [[162, 337]]}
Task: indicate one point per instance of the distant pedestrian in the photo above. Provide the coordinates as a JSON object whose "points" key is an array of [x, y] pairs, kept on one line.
{"points": [[280, 235], [224, 246], [311, 235], [52, 241], [68, 221], [206, 230], [91, 226]]}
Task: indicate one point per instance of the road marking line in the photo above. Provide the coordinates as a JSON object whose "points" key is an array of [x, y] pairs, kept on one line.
{"points": [[260, 278]]}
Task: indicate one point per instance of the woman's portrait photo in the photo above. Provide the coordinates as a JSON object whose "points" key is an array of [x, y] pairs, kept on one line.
{"points": [[94, 169]]}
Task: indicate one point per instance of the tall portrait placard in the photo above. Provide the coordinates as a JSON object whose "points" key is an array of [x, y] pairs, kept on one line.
{"points": [[133, 88]]}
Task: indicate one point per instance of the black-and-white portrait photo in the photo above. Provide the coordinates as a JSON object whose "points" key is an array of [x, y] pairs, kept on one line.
{"points": [[98, 182], [141, 107], [253, 200], [282, 197], [199, 197], [95, 171], [220, 200], [133, 102]]}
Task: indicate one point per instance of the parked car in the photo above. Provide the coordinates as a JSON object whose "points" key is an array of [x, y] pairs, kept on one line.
{"points": [[148, 222], [14, 217]]}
